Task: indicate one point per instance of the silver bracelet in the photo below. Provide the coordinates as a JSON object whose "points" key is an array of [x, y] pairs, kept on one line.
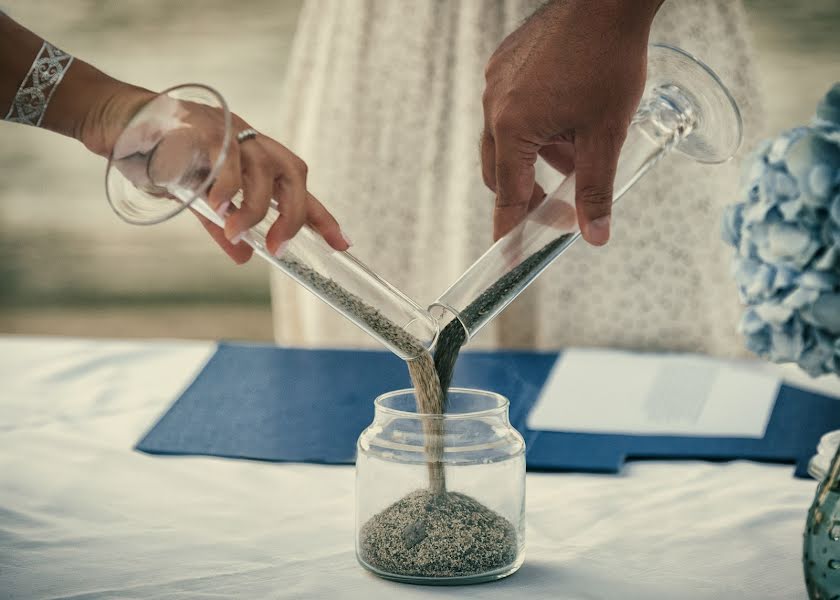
{"points": [[37, 88]]}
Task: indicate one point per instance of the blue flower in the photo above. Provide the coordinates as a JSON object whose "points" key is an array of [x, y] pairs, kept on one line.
{"points": [[800, 297], [755, 279], [818, 354], [731, 224], [785, 278], [821, 180], [834, 210], [827, 259], [826, 312], [759, 343], [784, 243], [829, 107], [817, 280], [830, 233], [787, 343], [809, 153], [777, 149], [786, 235]]}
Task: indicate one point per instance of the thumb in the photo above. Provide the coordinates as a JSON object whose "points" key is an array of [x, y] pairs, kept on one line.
{"points": [[596, 159], [515, 161]]}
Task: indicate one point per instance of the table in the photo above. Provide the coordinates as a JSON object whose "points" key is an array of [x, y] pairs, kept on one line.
{"points": [[82, 515]]}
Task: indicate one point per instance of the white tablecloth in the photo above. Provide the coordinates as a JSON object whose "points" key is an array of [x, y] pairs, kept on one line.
{"points": [[84, 516]]}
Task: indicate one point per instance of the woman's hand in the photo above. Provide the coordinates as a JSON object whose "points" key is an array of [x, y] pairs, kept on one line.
{"points": [[263, 169], [260, 167], [564, 86], [95, 109]]}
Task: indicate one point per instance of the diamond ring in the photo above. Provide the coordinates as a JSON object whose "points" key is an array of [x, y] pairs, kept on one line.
{"points": [[246, 134]]}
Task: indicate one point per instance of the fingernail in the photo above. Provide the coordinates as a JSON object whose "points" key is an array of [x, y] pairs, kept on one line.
{"points": [[346, 238], [222, 210], [281, 249], [598, 231], [237, 238]]}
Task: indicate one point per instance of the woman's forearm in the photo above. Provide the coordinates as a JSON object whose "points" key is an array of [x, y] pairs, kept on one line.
{"points": [[42, 86], [85, 104]]}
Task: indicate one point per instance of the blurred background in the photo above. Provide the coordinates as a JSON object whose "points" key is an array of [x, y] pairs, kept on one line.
{"points": [[69, 266]]}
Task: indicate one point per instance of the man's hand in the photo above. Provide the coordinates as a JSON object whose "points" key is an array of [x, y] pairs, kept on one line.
{"points": [[564, 86]]}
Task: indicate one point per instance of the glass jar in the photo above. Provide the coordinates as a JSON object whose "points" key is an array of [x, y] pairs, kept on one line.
{"points": [[821, 548], [440, 499]]}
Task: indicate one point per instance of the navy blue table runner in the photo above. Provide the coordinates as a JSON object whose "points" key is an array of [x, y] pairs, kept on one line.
{"points": [[295, 405]]}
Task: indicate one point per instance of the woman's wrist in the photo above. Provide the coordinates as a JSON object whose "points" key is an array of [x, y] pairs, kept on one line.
{"points": [[93, 108], [77, 100]]}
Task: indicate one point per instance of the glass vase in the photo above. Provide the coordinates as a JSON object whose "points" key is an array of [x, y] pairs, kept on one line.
{"points": [[440, 499]]}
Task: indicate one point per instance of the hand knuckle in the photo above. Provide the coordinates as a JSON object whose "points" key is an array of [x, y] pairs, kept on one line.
{"points": [[489, 180], [487, 98], [301, 167], [490, 69], [253, 213], [595, 195], [506, 123], [615, 133], [264, 164]]}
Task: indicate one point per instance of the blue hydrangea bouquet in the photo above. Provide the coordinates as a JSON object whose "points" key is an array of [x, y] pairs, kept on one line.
{"points": [[786, 233]]}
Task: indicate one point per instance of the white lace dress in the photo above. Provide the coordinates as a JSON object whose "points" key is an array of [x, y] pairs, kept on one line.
{"points": [[383, 101]]}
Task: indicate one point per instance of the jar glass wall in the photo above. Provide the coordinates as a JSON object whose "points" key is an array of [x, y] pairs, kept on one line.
{"points": [[457, 519]]}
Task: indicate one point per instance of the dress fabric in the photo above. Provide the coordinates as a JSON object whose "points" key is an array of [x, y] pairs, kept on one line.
{"points": [[383, 102]]}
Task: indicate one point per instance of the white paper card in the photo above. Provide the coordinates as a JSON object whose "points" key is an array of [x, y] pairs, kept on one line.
{"points": [[609, 391]]}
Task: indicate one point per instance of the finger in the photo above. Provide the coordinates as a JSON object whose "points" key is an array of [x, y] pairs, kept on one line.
{"points": [[320, 219], [488, 160], [556, 213], [227, 184], [596, 159], [258, 175], [289, 218], [240, 253], [514, 182], [289, 192], [512, 248], [537, 197], [560, 156]]}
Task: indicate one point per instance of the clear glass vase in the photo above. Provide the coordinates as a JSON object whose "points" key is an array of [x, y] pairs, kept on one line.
{"points": [[440, 499], [821, 547], [162, 165]]}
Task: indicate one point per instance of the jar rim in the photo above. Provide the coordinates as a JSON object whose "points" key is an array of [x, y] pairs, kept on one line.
{"points": [[500, 406]]}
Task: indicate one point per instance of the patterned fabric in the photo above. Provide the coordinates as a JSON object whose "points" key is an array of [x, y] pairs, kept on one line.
{"points": [[35, 92], [384, 104]]}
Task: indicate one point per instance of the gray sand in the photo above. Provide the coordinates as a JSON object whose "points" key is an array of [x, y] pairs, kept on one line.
{"points": [[453, 336], [354, 305], [428, 391], [429, 397], [438, 535]]}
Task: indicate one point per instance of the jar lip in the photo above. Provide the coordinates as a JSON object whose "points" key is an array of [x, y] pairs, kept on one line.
{"points": [[500, 407]]}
